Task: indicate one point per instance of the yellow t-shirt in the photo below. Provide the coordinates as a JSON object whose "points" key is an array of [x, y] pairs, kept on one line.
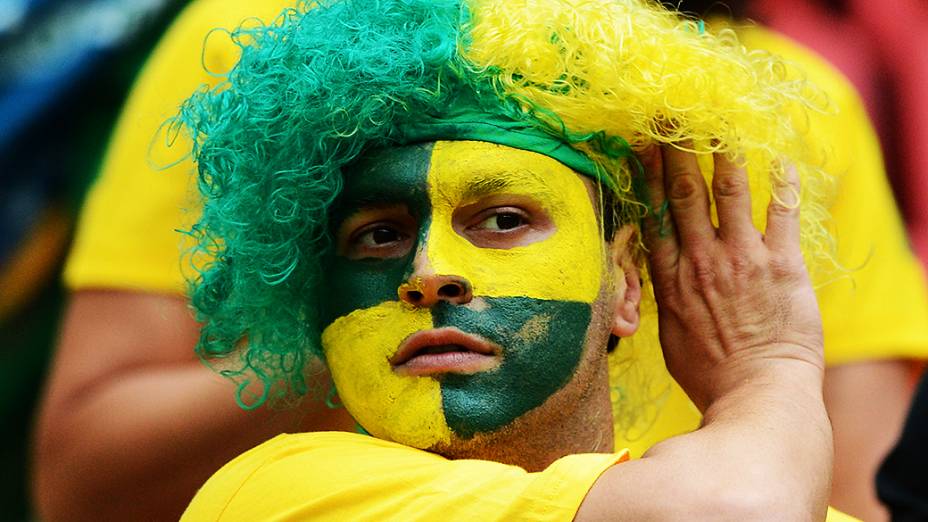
{"points": [[345, 476], [128, 239]]}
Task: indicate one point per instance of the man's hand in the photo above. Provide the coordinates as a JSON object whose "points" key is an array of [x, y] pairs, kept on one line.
{"points": [[741, 331], [733, 304]]}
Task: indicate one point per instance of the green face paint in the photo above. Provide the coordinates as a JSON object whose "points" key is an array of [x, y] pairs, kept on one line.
{"points": [[383, 178]]}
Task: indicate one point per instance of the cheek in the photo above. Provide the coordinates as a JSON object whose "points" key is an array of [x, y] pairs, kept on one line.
{"points": [[358, 347], [357, 285], [564, 267]]}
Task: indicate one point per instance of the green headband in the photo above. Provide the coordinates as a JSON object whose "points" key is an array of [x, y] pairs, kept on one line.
{"points": [[468, 119]]}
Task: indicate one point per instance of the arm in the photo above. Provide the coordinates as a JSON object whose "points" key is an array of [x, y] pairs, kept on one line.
{"points": [[867, 403], [132, 422], [740, 331]]}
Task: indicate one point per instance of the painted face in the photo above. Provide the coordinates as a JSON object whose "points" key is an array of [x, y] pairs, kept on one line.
{"points": [[461, 291]]}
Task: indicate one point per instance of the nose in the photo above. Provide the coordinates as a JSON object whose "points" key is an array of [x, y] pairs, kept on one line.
{"points": [[427, 291]]}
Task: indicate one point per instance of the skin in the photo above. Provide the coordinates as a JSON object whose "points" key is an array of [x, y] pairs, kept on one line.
{"points": [[867, 403], [460, 212]]}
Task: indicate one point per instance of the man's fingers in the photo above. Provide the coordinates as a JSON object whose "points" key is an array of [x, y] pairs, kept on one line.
{"points": [[783, 213], [732, 201], [688, 196], [659, 236]]}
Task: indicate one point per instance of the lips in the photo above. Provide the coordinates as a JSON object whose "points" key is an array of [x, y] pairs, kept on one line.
{"points": [[444, 350]]}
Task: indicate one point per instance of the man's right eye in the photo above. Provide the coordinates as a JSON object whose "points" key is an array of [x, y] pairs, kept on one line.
{"points": [[383, 240], [376, 233], [381, 235]]}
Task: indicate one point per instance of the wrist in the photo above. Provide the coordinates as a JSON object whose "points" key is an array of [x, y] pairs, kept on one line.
{"points": [[782, 379]]}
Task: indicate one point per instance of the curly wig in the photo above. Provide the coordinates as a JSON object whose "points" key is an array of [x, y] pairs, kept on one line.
{"points": [[329, 78]]}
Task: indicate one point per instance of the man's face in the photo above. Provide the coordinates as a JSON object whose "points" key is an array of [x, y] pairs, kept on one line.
{"points": [[463, 288]]}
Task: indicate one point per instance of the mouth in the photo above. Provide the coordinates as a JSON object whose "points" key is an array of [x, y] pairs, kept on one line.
{"points": [[444, 350]]}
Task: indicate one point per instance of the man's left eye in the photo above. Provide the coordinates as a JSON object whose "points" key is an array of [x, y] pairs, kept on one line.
{"points": [[502, 221], [501, 227]]}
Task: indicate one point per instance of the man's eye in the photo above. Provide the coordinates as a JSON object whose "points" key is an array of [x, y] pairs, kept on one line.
{"points": [[502, 221], [376, 233], [379, 236]]}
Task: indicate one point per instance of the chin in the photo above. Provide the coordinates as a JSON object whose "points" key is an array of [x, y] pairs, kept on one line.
{"points": [[575, 419]]}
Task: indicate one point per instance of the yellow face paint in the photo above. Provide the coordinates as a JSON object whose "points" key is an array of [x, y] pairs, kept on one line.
{"points": [[536, 270], [392, 407]]}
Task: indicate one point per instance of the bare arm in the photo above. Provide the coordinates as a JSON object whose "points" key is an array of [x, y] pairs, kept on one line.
{"points": [[867, 403], [741, 332], [132, 422]]}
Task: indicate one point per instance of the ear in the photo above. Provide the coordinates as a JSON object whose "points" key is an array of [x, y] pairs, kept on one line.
{"points": [[625, 316]]}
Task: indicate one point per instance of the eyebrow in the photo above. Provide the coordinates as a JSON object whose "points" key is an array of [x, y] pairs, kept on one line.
{"points": [[374, 194], [348, 209], [482, 187]]}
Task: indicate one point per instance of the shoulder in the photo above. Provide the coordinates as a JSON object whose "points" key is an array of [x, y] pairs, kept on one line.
{"points": [[230, 13]]}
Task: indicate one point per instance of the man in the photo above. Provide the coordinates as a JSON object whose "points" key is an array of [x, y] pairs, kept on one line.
{"points": [[444, 207]]}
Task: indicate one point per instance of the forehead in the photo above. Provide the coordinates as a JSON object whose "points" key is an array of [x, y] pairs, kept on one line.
{"points": [[388, 175], [456, 171]]}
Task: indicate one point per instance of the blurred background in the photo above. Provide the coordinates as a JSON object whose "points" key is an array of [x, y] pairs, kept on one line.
{"points": [[66, 67]]}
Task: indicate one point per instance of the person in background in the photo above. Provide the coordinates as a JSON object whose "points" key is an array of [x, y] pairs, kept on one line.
{"points": [[882, 60], [128, 400], [118, 421]]}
